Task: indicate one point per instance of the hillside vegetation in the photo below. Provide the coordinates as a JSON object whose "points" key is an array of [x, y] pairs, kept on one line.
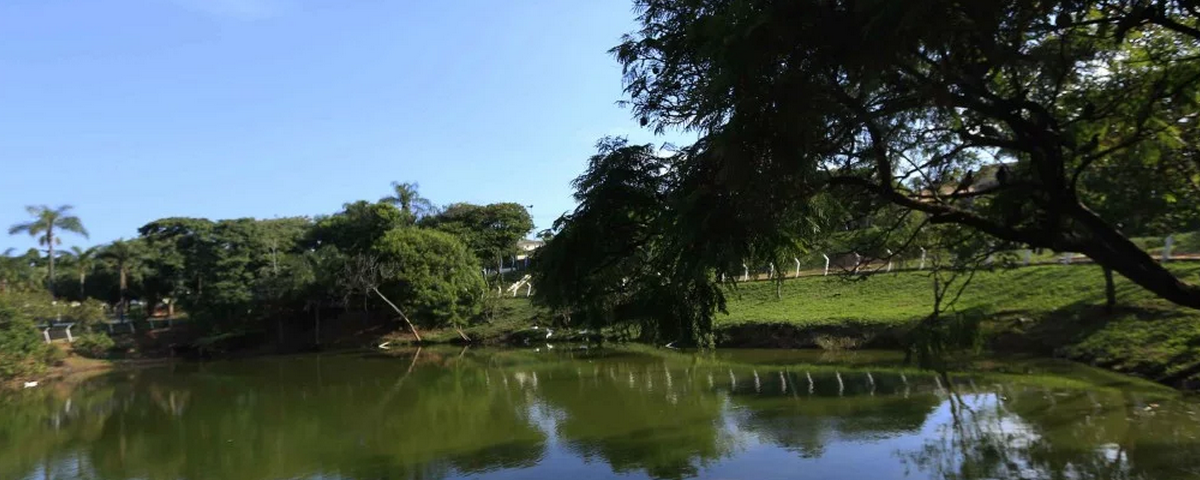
{"points": [[1040, 309]]}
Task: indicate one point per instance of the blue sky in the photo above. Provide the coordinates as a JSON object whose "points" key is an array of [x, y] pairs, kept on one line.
{"points": [[133, 110]]}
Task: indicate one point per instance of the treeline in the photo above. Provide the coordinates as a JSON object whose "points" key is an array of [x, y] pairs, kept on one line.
{"points": [[248, 277]]}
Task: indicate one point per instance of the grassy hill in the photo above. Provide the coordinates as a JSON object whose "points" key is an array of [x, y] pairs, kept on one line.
{"points": [[888, 298], [1044, 309]]}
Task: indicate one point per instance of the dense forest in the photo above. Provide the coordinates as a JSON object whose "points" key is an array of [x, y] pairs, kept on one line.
{"points": [[251, 281]]}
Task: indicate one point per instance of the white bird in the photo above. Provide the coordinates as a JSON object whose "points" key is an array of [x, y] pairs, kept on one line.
{"points": [[31, 384], [384, 345]]}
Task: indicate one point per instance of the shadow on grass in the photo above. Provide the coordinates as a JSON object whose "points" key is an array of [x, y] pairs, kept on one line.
{"points": [[1152, 340]]}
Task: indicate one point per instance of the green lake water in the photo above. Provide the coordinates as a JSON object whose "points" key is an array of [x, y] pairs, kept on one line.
{"points": [[578, 414]]}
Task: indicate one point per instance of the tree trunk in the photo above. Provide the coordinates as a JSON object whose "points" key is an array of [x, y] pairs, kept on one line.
{"points": [[50, 252], [1088, 234], [1107, 247], [121, 305], [317, 325], [1110, 291], [402, 315]]}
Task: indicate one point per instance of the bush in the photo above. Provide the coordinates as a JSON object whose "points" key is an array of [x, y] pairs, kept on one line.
{"points": [[85, 314], [53, 355], [22, 350], [93, 345]]}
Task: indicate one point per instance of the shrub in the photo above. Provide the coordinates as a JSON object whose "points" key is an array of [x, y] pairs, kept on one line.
{"points": [[22, 350], [93, 345], [85, 314], [53, 355]]}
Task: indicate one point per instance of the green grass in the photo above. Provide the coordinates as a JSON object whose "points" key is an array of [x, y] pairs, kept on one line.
{"points": [[1050, 308], [891, 298]]}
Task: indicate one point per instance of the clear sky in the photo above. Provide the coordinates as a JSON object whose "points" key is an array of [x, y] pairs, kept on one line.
{"points": [[133, 110]]}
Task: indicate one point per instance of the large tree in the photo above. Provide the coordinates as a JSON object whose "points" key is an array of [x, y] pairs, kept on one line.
{"points": [[490, 231], [799, 99], [431, 274], [45, 225], [124, 258]]}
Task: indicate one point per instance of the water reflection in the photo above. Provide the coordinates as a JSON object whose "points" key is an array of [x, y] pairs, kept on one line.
{"points": [[522, 414]]}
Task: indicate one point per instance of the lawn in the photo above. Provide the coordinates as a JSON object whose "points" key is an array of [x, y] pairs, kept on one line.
{"points": [[889, 298], [1048, 308]]}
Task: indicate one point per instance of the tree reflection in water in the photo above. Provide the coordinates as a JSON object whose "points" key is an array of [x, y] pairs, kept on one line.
{"points": [[521, 414], [1030, 432]]}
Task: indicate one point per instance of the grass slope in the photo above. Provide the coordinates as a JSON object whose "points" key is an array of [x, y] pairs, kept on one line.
{"points": [[888, 298], [1040, 308]]}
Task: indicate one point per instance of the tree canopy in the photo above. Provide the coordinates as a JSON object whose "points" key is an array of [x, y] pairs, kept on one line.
{"points": [[358, 226], [433, 275], [45, 222], [490, 231], [1005, 118]]}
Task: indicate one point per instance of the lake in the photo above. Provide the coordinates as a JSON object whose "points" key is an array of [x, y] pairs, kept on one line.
{"points": [[574, 413]]}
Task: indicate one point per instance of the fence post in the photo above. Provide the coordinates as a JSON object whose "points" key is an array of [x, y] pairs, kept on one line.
{"points": [[70, 339], [1066, 258], [826, 263], [922, 267], [889, 265], [1028, 256], [772, 270], [745, 272], [857, 261], [46, 334], [797, 266], [1167, 244]]}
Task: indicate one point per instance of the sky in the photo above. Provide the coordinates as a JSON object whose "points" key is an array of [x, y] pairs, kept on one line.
{"points": [[134, 110]]}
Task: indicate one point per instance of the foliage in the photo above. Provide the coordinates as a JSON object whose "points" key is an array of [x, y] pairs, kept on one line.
{"points": [[434, 275], [406, 196], [1022, 121], [21, 273], [358, 226], [490, 231], [22, 351], [46, 221], [177, 256], [93, 345], [83, 261], [642, 248], [87, 313]]}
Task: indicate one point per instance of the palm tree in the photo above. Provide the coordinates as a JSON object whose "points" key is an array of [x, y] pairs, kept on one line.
{"points": [[405, 196], [45, 221], [84, 261], [123, 256]]}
